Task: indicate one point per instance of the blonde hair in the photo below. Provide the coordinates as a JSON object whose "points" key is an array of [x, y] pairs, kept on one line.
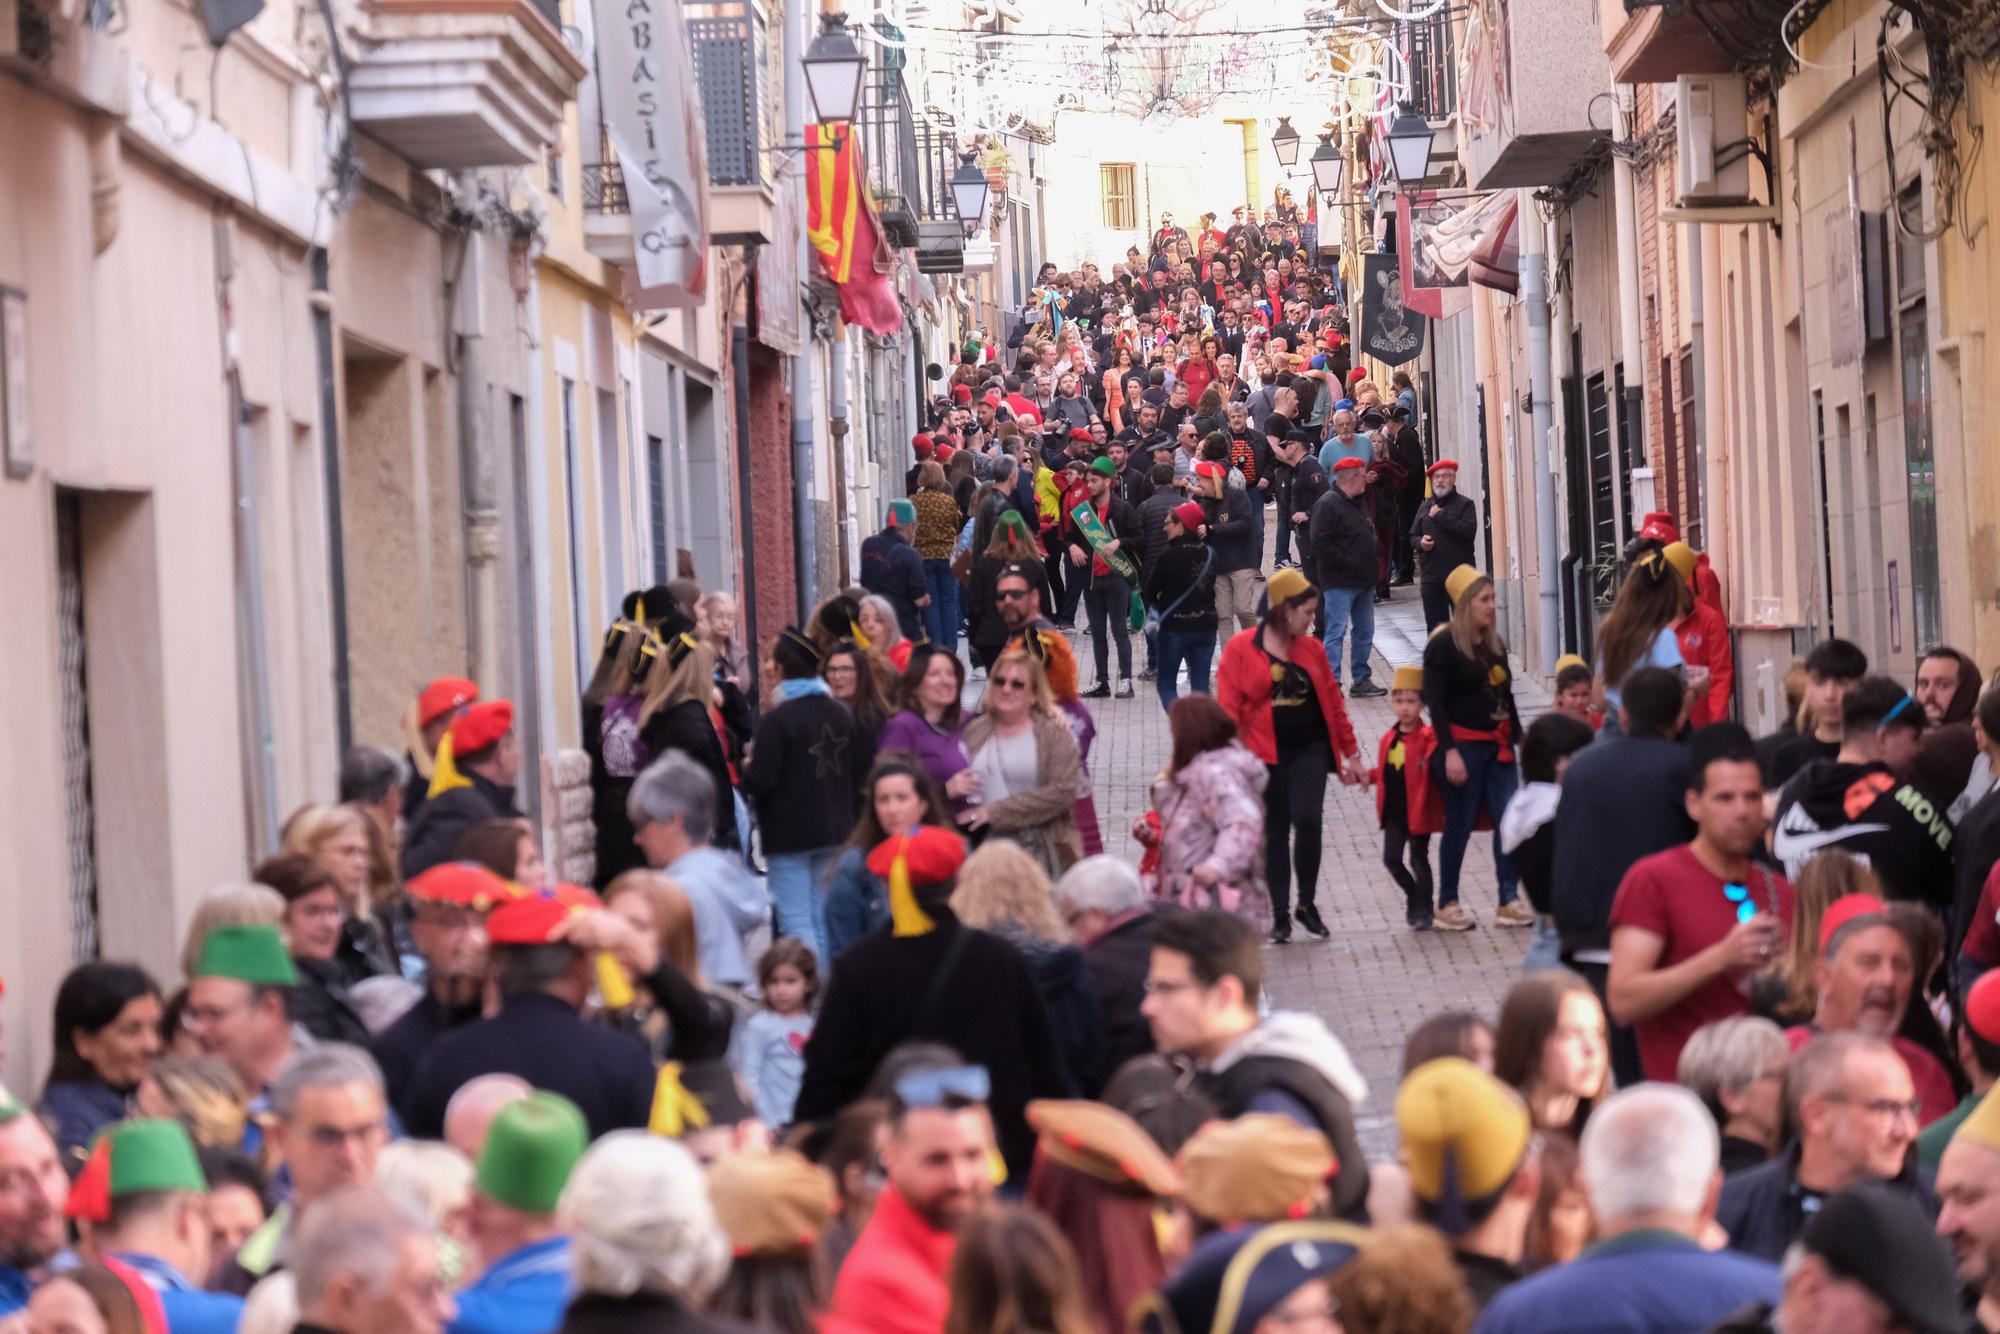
{"points": [[1041, 698], [692, 679], [206, 1097], [1828, 875], [1467, 640], [1002, 885], [673, 917], [311, 828], [231, 905]]}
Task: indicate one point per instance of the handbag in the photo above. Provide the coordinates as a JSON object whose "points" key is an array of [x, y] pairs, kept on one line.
{"points": [[1154, 618]]}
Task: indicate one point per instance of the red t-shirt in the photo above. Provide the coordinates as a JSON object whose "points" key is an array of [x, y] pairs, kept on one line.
{"points": [[1982, 934], [1932, 1084], [1672, 895]]}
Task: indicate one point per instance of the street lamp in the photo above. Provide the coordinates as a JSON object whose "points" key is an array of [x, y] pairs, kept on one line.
{"points": [[1285, 142], [968, 194], [1410, 146], [834, 67], [1327, 165]]}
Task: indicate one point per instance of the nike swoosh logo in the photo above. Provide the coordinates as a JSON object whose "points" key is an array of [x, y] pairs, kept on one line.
{"points": [[1794, 846]]}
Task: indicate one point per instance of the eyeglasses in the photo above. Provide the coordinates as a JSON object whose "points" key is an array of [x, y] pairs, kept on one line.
{"points": [[1746, 907], [1886, 1108], [1010, 683], [932, 1088], [1168, 988]]}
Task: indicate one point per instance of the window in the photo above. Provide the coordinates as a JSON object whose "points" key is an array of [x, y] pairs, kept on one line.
{"points": [[552, 163], [1121, 207]]}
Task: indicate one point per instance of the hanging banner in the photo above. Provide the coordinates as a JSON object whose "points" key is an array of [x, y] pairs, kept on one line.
{"points": [[780, 312], [653, 117], [1391, 332]]}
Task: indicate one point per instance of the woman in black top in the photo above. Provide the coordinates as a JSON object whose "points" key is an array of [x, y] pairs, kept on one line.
{"points": [[1181, 588], [1469, 692]]}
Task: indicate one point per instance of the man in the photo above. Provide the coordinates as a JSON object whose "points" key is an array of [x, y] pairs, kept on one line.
{"points": [[1153, 513], [1398, 442], [1474, 1171], [1202, 990], [1110, 916], [474, 783], [1866, 1262], [372, 778], [1235, 534], [239, 1005], [1444, 536], [331, 1121], [542, 955], [1975, 843], [468, 1117], [529, 1153], [147, 1202], [1863, 979], [448, 925], [367, 1265], [937, 1149], [1168, 234], [1107, 597], [891, 568], [1187, 451], [672, 804], [1861, 802], [1300, 490], [1831, 668], [33, 1188], [1850, 1098], [1976, 1028], [1175, 414], [1342, 542], [1021, 613], [1948, 689], [1968, 1187], [437, 707], [1144, 435], [1691, 925], [1703, 637], [1647, 1161], [1345, 442], [1133, 480]]}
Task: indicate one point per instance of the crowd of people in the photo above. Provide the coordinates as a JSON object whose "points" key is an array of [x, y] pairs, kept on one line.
{"points": [[858, 1028]]}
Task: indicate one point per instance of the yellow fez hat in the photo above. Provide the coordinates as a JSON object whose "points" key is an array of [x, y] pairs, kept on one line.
{"points": [[1104, 1143], [772, 1203], [1407, 678], [1681, 556], [1459, 580], [1286, 586], [1569, 660], [1982, 1127], [1259, 1168], [1464, 1131]]}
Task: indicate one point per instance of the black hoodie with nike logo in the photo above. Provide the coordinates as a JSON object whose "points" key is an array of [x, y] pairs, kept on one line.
{"points": [[1865, 810]]}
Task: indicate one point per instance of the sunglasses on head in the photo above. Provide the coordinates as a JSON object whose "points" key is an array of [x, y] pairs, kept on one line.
{"points": [[1739, 894], [1894, 713], [935, 1088]]}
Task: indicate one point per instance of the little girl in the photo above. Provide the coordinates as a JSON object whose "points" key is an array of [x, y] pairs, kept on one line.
{"points": [[1405, 802], [770, 1052]]}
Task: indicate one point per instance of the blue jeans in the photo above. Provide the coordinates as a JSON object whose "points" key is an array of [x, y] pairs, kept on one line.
{"points": [[941, 616], [1348, 609], [1490, 781], [1544, 948], [1196, 648], [798, 887]]}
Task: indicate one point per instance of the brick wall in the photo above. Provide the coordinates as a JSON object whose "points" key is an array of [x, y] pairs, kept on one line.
{"points": [[771, 491]]}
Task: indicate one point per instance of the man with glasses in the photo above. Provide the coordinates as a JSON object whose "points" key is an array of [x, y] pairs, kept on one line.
{"points": [[449, 904], [1855, 1110], [239, 1005], [937, 1157], [530, 1150]]}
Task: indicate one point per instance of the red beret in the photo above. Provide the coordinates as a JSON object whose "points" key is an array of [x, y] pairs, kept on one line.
{"points": [[1190, 515], [1348, 465], [921, 442], [1357, 375], [1844, 910], [1079, 433], [442, 696], [961, 393], [1209, 468], [1982, 1006], [528, 920], [993, 397], [944, 452], [930, 854], [481, 725], [1441, 465], [90, 1194], [461, 885], [1660, 526]]}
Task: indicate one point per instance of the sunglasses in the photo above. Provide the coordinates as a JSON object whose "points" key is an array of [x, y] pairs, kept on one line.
{"points": [[1893, 714], [935, 1088], [1010, 683], [1739, 894], [1011, 594]]}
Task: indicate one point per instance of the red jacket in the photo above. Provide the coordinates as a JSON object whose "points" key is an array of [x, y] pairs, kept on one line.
{"points": [[894, 1280], [1426, 803], [1243, 688], [1704, 641]]}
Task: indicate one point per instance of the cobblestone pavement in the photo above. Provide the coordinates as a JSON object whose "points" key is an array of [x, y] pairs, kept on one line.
{"points": [[1376, 979]]}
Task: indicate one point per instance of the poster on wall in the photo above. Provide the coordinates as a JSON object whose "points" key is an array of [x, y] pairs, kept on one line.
{"points": [[652, 114], [1391, 332]]}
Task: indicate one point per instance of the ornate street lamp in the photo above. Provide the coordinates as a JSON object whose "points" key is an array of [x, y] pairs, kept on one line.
{"points": [[834, 69], [969, 189], [1327, 165], [1410, 146], [1285, 142]]}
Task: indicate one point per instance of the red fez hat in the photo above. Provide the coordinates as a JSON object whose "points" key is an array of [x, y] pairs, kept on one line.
{"points": [[442, 696], [1209, 468], [1190, 515], [574, 897], [1982, 1007], [1357, 375], [480, 726], [944, 453], [1844, 910], [921, 443], [1660, 525], [90, 1194], [1442, 465], [992, 397], [459, 885], [961, 393], [1079, 433], [1348, 465], [528, 920], [932, 855]]}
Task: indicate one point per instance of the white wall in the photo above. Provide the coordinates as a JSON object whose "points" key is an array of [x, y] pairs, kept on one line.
{"points": [[1188, 168]]}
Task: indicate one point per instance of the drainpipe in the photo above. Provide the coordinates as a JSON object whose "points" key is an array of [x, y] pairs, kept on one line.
{"points": [[479, 508], [798, 24], [739, 362], [1631, 339], [837, 427], [1535, 292], [336, 542], [1697, 366]]}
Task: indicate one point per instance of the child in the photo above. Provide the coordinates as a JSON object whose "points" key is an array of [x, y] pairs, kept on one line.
{"points": [[1528, 826], [1410, 809], [770, 1052], [1573, 683]]}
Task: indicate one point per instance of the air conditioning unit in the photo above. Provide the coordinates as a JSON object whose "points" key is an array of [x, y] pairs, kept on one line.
{"points": [[1712, 167]]}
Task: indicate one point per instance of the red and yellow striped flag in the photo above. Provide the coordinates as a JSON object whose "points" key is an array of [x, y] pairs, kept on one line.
{"points": [[841, 225]]}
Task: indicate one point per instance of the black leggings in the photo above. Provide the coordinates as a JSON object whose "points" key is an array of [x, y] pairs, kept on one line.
{"points": [[1294, 809], [1415, 878]]}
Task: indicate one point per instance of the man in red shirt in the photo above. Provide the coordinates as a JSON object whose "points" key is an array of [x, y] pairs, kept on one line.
{"points": [[1691, 926]]}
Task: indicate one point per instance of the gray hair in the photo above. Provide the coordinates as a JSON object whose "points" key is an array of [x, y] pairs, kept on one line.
{"points": [[1649, 1149], [367, 773], [359, 1232], [1821, 1066], [433, 1181], [880, 606], [1105, 883], [639, 1219], [1003, 469], [674, 785], [1729, 1056], [328, 1065]]}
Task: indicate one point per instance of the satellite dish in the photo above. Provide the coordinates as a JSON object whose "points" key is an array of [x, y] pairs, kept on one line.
{"points": [[225, 16]]}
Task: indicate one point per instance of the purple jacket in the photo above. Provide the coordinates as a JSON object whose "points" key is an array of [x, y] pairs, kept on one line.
{"points": [[942, 754]]}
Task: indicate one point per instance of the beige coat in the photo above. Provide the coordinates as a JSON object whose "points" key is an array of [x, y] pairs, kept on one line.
{"points": [[1040, 820]]}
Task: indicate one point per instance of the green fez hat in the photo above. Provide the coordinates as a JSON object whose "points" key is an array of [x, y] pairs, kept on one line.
{"points": [[1104, 465], [253, 954], [153, 1155], [1013, 522], [529, 1152]]}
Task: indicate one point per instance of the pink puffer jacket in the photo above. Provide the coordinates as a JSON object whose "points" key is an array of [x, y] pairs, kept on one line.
{"points": [[1213, 811]]}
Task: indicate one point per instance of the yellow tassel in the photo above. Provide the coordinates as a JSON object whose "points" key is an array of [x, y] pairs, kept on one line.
{"points": [[675, 1110], [996, 1167], [639, 610], [444, 773], [906, 918], [854, 633], [614, 984]]}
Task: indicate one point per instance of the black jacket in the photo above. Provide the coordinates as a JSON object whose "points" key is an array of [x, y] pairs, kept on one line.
{"points": [[321, 1005], [1134, 482], [1119, 961], [1764, 1208], [684, 727], [1184, 566], [434, 831], [399, 1047], [1865, 809], [1301, 490], [540, 1038], [984, 628], [802, 774], [1232, 533], [1453, 530], [1153, 529], [1342, 541], [1975, 847], [1122, 522], [1623, 798], [891, 567], [1069, 993], [643, 1313]]}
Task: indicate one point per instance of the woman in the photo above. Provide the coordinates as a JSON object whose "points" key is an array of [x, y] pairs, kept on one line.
{"points": [[201, 1093], [679, 713], [1737, 1067], [931, 725], [1276, 685], [110, 1297], [1404, 1281], [107, 1035], [693, 1023], [885, 633], [1099, 1178], [938, 522], [506, 848], [1552, 1046], [337, 838], [1030, 772], [855, 676], [1561, 1225], [1788, 989], [1469, 694], [1638, 631], [314, 916], [1210, 804], [1002, 889], [773, 1206], [1012, 1273], [1450, 1033], [647, 1250], [1180, 590], [716, 624], [896, 798], [1118, 373], [851, 1154], [1012, 546]]}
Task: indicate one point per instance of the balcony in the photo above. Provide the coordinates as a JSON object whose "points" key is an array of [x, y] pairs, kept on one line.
{"points": [[1650, 43], [730, 62], [452, 84], [1524, 102], [886, 131], [607, 211], [940, 236]]}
